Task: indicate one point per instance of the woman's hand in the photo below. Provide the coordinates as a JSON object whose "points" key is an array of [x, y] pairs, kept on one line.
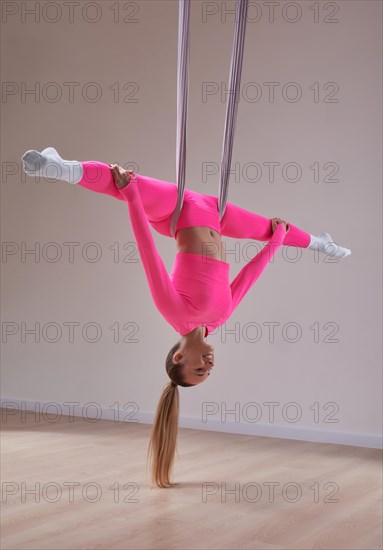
{"points": [[276, 221], [121, 177]]}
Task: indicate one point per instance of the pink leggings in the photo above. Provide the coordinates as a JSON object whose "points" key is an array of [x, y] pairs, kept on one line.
{"points": [[159, 200]]}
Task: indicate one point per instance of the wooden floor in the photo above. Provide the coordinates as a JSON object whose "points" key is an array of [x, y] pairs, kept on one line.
{"points": [[82, 485]]}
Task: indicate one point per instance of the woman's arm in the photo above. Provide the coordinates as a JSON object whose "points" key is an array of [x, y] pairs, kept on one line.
{"points": [[253, 270], [167, 300]]}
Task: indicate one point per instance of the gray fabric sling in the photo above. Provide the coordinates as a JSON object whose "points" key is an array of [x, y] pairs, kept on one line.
{"points": [[231, 107], [182, 103]]}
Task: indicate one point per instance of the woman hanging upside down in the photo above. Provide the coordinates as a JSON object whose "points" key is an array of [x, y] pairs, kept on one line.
{"points": [[197, 297]]}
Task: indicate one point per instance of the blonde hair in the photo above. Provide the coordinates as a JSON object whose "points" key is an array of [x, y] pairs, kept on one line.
{"points": [[163, 438]]}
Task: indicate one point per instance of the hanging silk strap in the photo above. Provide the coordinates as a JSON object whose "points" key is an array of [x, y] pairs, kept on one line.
{"points": [[231, 107], [182, 101], [232, 104]]}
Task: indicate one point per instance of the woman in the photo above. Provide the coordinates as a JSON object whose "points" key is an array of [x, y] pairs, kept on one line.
{"points": [[197, 296]]}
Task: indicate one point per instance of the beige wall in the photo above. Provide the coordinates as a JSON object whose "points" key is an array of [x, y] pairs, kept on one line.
{"points": [[340, 380]]}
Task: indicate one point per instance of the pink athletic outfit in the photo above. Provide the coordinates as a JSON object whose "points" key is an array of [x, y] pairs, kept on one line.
{"points": [[198, 291]]}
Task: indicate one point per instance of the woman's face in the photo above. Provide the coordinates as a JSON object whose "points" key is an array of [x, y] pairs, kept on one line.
{"points": [[198, 358]]}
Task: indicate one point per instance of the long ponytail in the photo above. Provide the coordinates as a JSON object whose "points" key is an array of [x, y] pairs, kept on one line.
{"points": [[163, 438]]}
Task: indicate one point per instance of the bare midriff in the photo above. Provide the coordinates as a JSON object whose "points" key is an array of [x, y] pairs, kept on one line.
{"points": [[204, 241]]}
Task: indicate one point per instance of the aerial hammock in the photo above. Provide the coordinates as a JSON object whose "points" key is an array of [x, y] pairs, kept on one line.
{"points": [[231, 106]]}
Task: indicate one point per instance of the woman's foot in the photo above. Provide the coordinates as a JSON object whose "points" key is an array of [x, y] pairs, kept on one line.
{"points": [[325, 244], [121, 177], [49, 164]]}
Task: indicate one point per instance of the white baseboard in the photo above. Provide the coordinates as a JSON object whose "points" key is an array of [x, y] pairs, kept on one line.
{"points": [[48, 410]]}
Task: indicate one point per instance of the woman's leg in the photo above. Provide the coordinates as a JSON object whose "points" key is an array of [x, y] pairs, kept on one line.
{"points": [[159, 197], [242, 224]]}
